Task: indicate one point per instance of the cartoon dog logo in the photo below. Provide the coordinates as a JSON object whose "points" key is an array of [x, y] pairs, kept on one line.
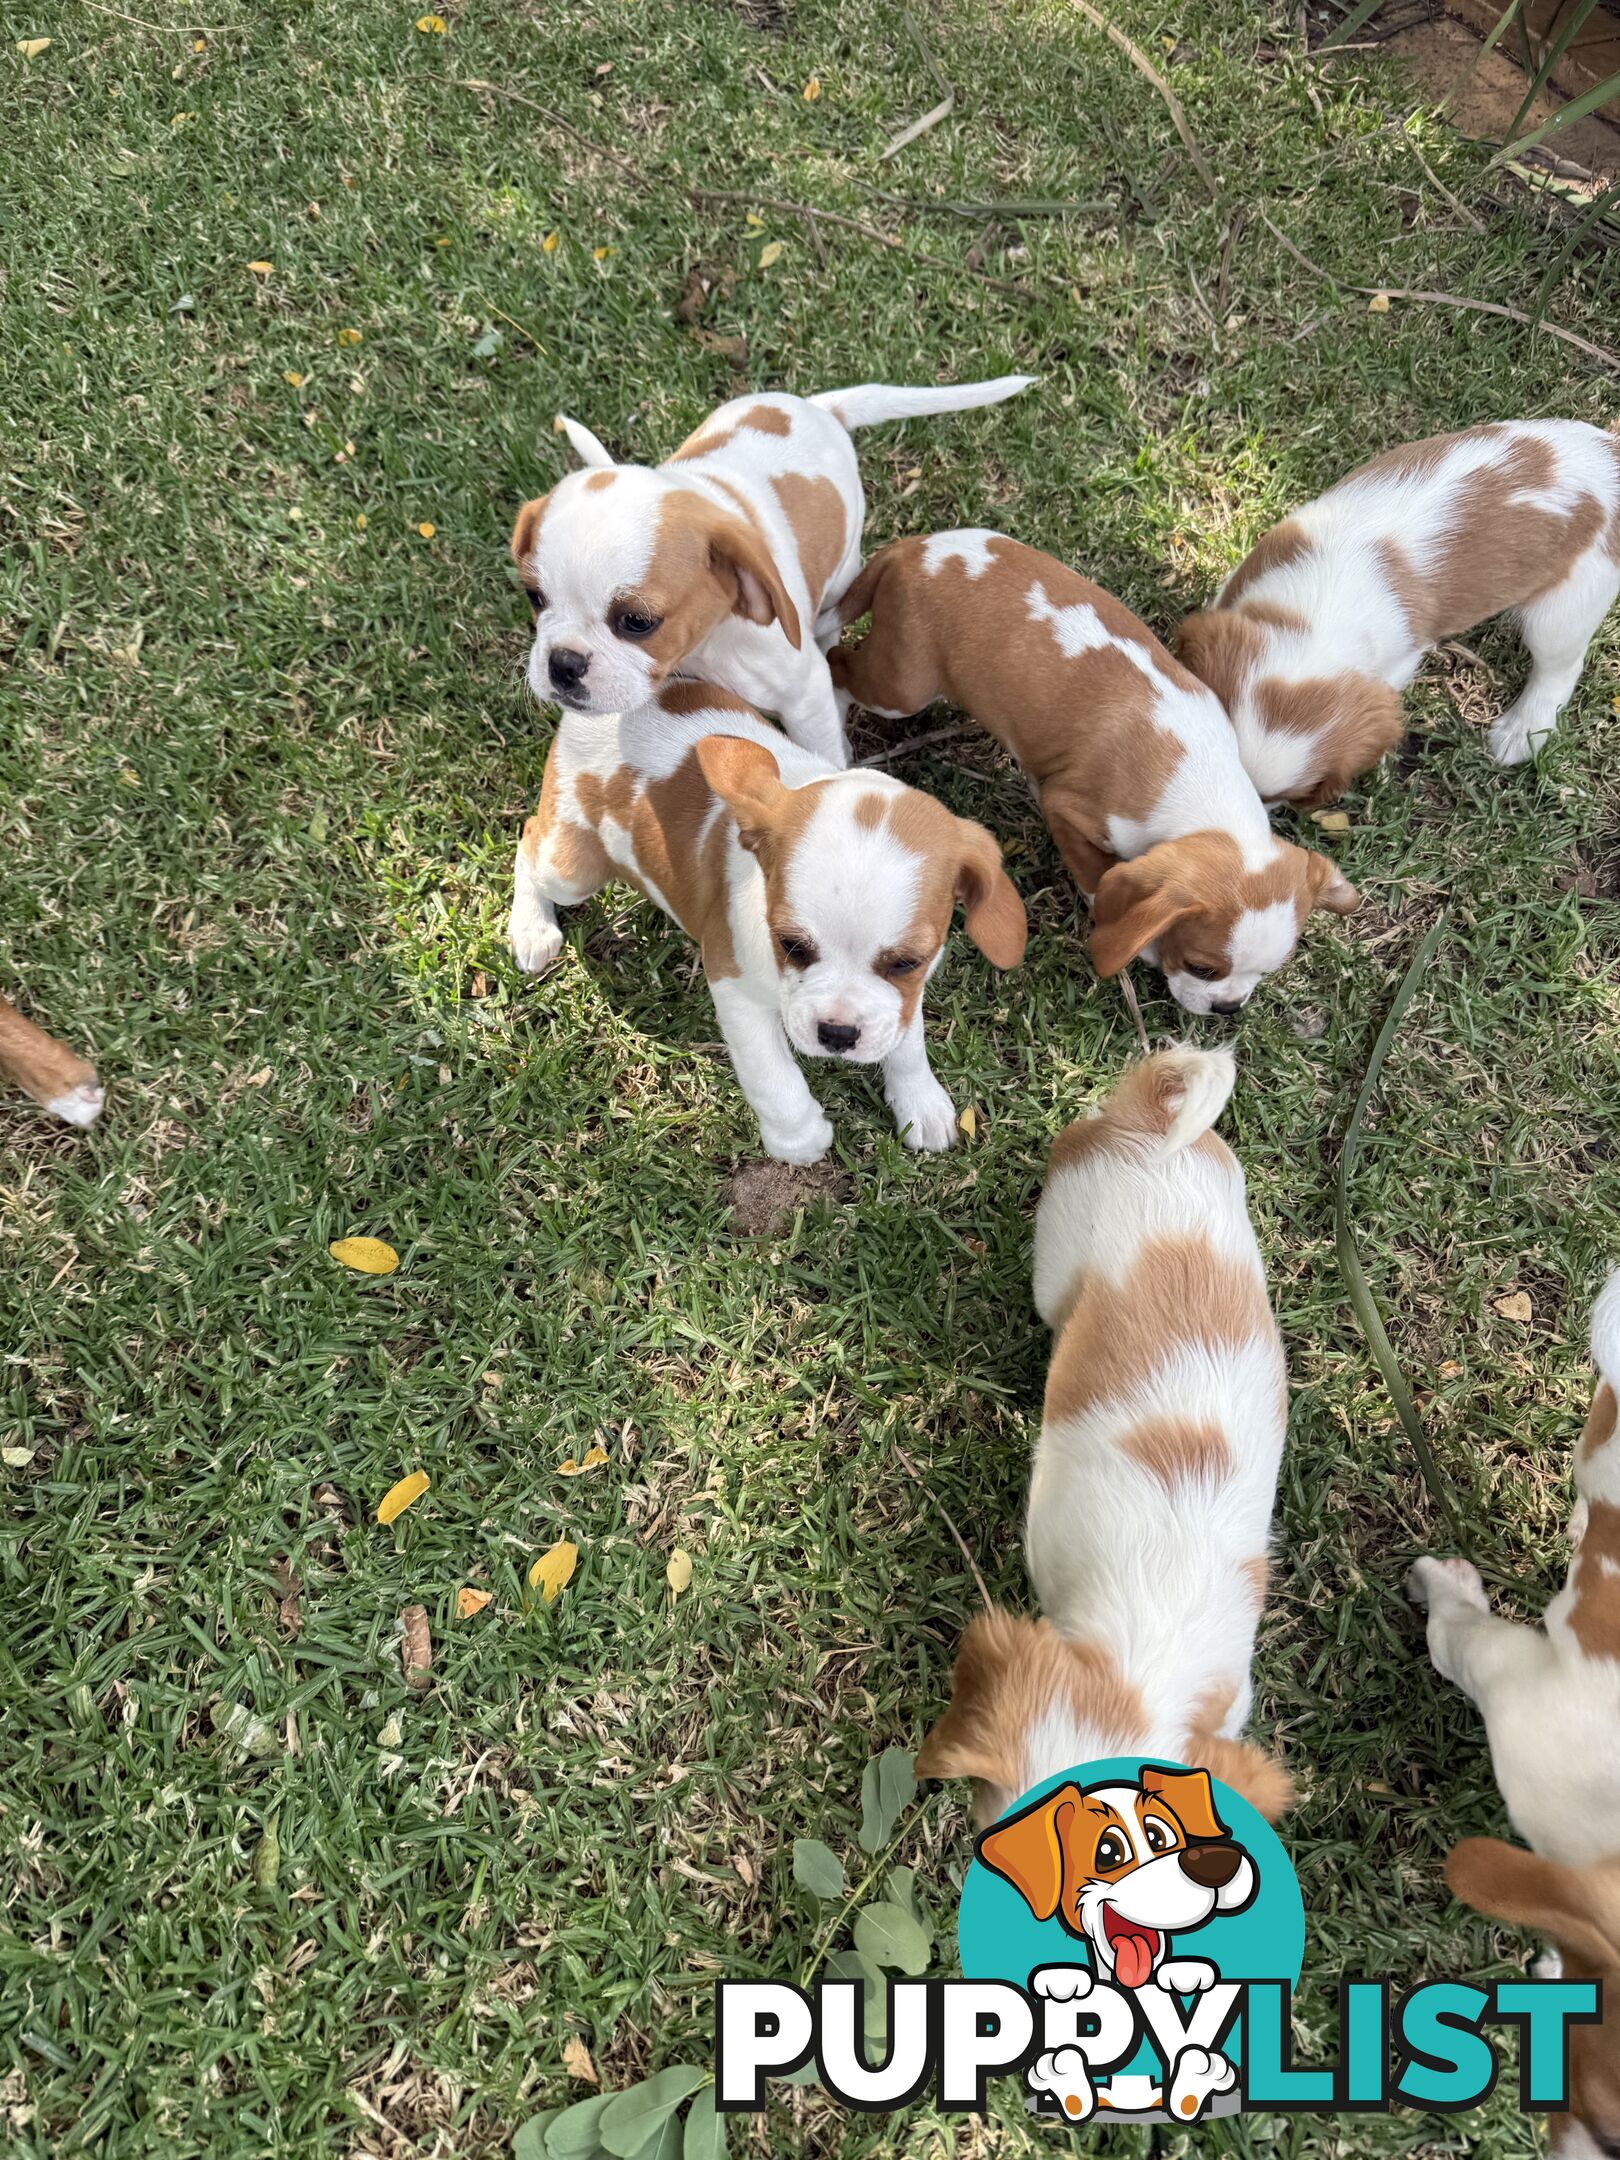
{"points": [[1124, 1867]]}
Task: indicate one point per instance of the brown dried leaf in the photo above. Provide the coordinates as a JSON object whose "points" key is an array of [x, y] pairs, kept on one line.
{"points": [[1515, 1306], [577, 2060], [694, 294], [291, 1591], [416, 1646], [470, 1601], [731, 349]]}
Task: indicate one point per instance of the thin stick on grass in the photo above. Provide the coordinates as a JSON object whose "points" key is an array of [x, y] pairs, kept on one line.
{"points": [[937, 113], [911, 743], [1127, 990], [1144, 67], [906, 1463], [1451, 300], [1362, 1302]]}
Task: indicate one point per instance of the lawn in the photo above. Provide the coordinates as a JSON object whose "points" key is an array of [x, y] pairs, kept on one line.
{"points": [[264, 755]]}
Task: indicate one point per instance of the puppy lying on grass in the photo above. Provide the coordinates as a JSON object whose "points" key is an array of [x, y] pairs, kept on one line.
{"points": [[1132, 758], [821, 899]]}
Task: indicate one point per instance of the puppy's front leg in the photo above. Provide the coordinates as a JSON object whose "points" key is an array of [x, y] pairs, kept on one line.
{"points": [[924, 1115], [1468, 1644], [811, 712], [791, 1125]]}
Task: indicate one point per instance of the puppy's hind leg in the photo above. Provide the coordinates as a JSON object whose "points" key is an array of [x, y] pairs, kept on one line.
{"points": [[1557, 628]]}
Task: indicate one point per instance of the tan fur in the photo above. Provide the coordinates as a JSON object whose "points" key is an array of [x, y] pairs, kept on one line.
{"points": [[1188, 894], [1248, 1769], [1284, 544], [42, 1067], [1601, 1420], [1007, 1671], [1355, 717], [692, 578], [1594, 1617], [525, 531], [1175, 1451], [815, 510], [706, 439]]}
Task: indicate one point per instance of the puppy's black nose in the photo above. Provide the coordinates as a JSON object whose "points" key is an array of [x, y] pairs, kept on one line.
{"points": [[1227, 1005], [1211, 1866], [833, 1035], [567, 667]]}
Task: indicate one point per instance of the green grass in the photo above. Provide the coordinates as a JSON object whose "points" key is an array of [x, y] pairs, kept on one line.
{"points": [[261, 770]]}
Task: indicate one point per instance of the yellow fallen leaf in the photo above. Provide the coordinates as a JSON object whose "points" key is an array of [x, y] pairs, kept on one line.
{"points": [[679, 1572], [360, 520], [427, 529], [548, 245], [470, 1601], [753, 218], [129, 776], [552, 1570], [32, 47], [1331, 820], [1515, 1306], [600, 254], [16, 1458], [594, 1459], [811, 90], [199, 44], [261, 269], [968, 1122], [366, 1255], [1378, 304], [577, 2060], [1450, 1370], [441, 240], [295, 378], [405, 1494], [350, 337], [434, 25], [771, 252]]}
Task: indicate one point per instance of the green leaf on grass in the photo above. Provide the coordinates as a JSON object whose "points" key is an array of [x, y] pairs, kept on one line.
{"points": [[530, 2141], [631, 2118], [705, 2129], [817, 1868], [572, 2135], [890, 1936], [665, 2142], [887, 1790]]}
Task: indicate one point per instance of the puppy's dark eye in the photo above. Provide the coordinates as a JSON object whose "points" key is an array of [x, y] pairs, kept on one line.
{"points": [[903, 964], [1158, 1837], [1112, 1850], [536, 598], [797, 951], [1202, 974], [632, 623]]}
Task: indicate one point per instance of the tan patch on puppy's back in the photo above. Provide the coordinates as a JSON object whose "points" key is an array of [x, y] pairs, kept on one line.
{"points": [[706, 439], [597, 481], [1257, 1574], [1594, 1617], [1275, 550], [815, 510], [1177, 1290], [682, 698], [1213, 1707], [687, 864], [1600, 1421], [1416, 460], [1176, 1451]]}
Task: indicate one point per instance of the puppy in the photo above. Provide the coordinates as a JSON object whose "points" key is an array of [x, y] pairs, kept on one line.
{"points": [[48, 1070], [1550, 1698], [1132, 759], [1319, 629], [1150, 1501], [716, 564], [821, 900]]}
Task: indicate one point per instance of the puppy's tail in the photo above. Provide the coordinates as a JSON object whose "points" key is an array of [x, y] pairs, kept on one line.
{"points": [[1606, 1332], [870, 404], [1597, 1459], [1169, 1099]]}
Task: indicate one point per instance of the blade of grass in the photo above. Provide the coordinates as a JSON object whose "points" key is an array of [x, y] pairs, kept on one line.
{"points": [[1571, 29], [1489, 45], [1357, 18], [1566, 116], [1362, 1302]]}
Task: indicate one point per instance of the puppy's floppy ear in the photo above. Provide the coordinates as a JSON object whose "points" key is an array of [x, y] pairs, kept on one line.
{"points": [[1579, 1908], [994, 915], [1329, 887], [1249, 1770], [1027, 1848], [587, 447], [1221, 648], [971, 1740], [1190, 1798], [527, 530], [740, 556], [744, 776], [1135, 903]]}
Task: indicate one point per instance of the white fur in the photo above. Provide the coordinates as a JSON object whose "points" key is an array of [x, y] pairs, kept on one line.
{"points": [[1355, 623], [852, 890], [595, 546], [1114, 1557], [1552, 1713], [80, 1105]]}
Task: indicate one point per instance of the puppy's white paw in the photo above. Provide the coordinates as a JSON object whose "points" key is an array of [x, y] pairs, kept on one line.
{"points": [[535, 937], [1429, 1578], [805, 1142], [1062, 2072], [924, 1117], [1185, 1976], [1063, 1983], [1197, 2078], [1517, 736], [80, 1105]]}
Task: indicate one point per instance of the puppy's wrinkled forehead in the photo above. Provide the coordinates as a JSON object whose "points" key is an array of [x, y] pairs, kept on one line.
{"points": [[599, 526], [879, 860]]}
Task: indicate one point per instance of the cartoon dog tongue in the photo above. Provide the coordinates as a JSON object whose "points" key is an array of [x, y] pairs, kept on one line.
{"points": [[1133, 1947]]}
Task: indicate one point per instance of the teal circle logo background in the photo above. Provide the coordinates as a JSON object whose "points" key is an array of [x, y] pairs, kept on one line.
{"points": [[999, 1938]]}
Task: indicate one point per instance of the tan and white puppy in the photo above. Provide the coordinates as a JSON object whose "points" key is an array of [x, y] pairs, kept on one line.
{"points": [[1150, 1501], [48, 1070], [1132, 758], [1550, 1698], [1320, 628], [716, 564], [821, 899]]}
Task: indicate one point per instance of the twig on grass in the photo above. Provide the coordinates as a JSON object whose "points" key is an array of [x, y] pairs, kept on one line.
{"points": [[1144, 67], [937, 113], [1127, 990], [139, 22], [1438, 184], [944, 1515], [1012, 206], [1451, 300], [912, 742]]}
